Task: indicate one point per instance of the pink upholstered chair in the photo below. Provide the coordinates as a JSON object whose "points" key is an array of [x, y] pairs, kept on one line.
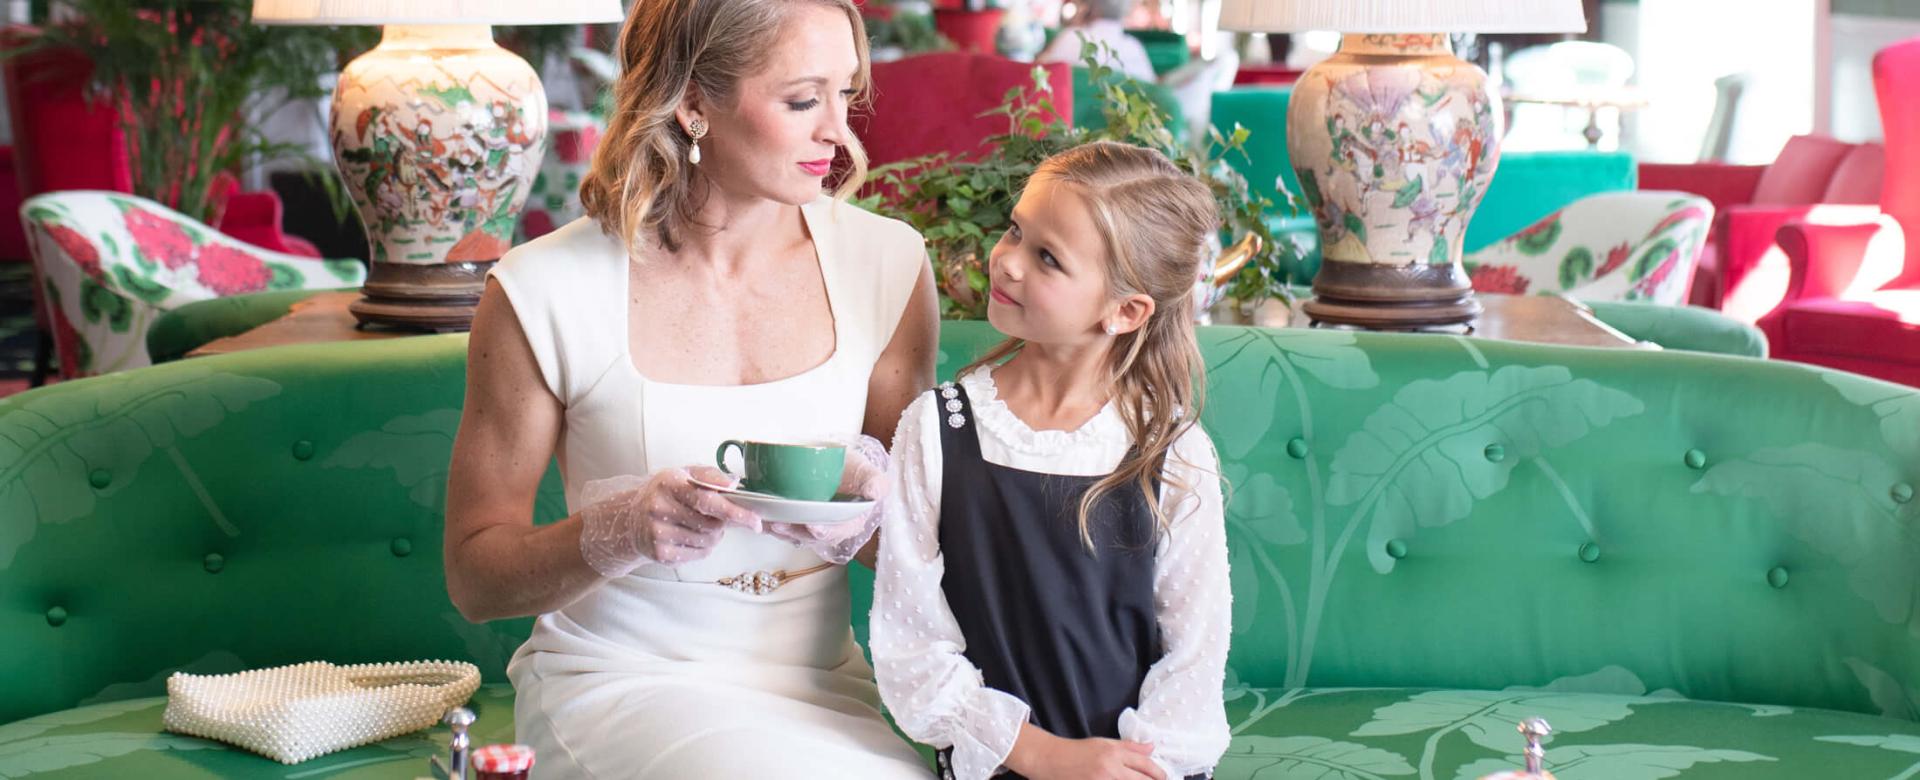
{"points": [[1742, 271], [1853, 294]]}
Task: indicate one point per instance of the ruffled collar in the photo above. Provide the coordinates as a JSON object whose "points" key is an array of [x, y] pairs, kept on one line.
{"points": [[996, 418]]}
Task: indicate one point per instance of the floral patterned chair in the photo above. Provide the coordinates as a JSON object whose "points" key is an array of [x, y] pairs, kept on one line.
{"points": [[1615, 246], [109, 263]]}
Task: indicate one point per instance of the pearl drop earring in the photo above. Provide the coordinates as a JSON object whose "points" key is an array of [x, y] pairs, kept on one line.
{"points": [[1112, 329]]}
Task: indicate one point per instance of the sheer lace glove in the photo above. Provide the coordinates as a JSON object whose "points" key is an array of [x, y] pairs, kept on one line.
{"points": [[664, 518], [865, 476]]}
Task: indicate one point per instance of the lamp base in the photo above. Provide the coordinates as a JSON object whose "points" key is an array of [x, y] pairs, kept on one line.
{"points": [[440, 298], [1392, 297]]}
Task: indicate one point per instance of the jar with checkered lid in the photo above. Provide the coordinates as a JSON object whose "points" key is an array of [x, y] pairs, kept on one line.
{"points": [[502, 762]]}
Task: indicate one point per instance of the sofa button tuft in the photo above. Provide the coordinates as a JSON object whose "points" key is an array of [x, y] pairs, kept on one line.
{"points": [[1495, 453], [100, 479], [1902, 492], [213, 563], [1397, 549], [1589, 552], [1695, 459], [1297, 448], [1777, 576], [401, 547], [302, 450], [56, 616]]}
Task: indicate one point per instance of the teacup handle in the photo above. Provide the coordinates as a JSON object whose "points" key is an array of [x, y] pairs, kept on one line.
{"points": [[720, 455]]}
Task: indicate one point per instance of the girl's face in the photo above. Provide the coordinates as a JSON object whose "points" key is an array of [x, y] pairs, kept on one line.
{"points": [[1049, 270], [778, 136]]}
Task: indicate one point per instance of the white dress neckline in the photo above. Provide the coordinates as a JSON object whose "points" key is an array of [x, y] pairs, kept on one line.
{"points": [[813, 227]]}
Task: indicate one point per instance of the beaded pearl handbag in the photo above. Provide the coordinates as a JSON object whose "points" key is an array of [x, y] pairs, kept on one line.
{"points": [[293, 713]]}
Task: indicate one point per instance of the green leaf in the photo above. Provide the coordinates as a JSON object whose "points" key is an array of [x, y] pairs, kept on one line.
{"points": [[52, 443], [1488, 717], [1614, 762], [1612, 680], [1894, 698], [1309, 186], [1409, 193], [1837, 501], [1577, 265], [1263, 504], [52, 754], [414, 447], [1651, 258], [451, 97], [347, 270], [1353, 224], [285, 277], [142, 287], [1419, 461], [1897, 407], [1280, 758], [41, 724], [1902, 743], [1539, 238]]}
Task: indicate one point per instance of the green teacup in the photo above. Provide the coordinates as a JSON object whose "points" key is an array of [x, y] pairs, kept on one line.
{"points": [[804, 472]]}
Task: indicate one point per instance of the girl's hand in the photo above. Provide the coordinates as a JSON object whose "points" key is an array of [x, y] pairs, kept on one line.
{"points": [[1040, 755]]}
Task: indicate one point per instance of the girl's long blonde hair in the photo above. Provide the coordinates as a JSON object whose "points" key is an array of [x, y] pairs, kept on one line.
{"points": [[1156, 221], [640, 185]]}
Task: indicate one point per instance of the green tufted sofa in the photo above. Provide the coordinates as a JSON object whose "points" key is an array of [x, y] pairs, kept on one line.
{"points": [[1693, 565]]}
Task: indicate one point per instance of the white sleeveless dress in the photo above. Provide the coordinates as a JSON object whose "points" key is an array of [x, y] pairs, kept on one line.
{"points": [[661, 673]]}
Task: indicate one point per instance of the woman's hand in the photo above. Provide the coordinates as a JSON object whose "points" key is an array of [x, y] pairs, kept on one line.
{"points": [[1040, 755], [865, 475], [665, 518]]}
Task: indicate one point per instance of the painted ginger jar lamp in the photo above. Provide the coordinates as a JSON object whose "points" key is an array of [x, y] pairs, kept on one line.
{"points": [[438, 133], [1394, 140]]}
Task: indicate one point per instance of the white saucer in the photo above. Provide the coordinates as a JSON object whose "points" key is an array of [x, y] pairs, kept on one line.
{"points": [[786, 510]]}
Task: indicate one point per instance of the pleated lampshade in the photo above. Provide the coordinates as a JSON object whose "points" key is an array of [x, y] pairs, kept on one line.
{"points": [[510, 12], [1404, 16]]}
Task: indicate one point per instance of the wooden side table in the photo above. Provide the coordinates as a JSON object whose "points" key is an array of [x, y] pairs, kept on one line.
{"points": [[1539, 319], [319, 319], [1542, 319]]}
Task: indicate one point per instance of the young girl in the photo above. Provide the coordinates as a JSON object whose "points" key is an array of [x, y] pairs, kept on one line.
{"points": [[1052, 594]]}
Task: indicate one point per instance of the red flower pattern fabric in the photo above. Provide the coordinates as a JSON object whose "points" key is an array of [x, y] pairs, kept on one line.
{"points": [[78, 248], [1499, 279], [1615, 258], [132, 260], [230, 271], [160, 239]]}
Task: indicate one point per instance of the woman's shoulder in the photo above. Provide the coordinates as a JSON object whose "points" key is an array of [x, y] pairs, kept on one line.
{"points": [[864, 231], [575, 245]]}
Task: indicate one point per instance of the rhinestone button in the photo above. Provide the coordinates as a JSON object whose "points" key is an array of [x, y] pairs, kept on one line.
{"points": [[955, 420]]}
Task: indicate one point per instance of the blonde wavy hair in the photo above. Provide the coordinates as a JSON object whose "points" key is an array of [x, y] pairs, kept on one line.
{"points": [[640, 183], [1156, 221]]}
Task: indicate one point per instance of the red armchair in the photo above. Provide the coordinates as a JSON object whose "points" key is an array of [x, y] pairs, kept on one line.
{"points": [[64, 141], [1853, 294], [933, 103], [1742, 272]]}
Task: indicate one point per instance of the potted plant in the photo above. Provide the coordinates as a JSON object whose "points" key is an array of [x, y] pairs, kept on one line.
{"points": [[184, 76], [961, 205]]}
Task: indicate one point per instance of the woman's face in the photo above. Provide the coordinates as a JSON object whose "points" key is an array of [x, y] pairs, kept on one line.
{"points": [[776, 139]]}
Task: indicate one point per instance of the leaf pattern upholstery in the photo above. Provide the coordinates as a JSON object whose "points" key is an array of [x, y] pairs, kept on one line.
{"points": [[1431, 537]]}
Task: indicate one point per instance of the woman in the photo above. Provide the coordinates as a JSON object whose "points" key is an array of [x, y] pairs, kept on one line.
{"points": [[711, 293]]}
